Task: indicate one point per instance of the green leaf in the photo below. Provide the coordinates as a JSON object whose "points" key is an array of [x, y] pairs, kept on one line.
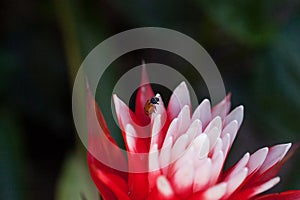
{"points": [[75, 182]]}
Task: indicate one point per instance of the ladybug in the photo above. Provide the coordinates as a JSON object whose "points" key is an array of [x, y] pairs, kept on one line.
{"points": [[150, 107]]}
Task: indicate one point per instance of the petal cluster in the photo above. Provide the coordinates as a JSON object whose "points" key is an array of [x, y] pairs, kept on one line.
{"points": [[183, 152]]}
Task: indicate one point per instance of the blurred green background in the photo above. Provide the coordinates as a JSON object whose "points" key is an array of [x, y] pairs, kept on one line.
{"points": [[255, 44]]}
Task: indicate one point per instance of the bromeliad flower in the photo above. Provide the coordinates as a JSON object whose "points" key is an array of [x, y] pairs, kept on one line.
{"points": [[184, 152]]}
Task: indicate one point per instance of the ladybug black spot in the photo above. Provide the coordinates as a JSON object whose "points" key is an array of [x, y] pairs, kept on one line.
{"points": [[154, 100]]}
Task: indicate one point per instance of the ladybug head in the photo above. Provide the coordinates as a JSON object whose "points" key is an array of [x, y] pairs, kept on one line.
{"points": [[154, 100]]}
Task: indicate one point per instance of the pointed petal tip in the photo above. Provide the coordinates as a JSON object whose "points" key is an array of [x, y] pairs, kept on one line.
{"points": [[289, 145], [228, 96], [115, 98], [267, 185], [116, 101], [206, 101], [183, 84]]}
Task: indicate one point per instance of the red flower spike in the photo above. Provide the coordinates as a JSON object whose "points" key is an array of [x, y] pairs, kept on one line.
{"points": [[144, 93], [184, 152]]}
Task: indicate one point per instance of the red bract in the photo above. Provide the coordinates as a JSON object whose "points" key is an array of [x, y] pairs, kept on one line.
{"points": [[186, 152]]}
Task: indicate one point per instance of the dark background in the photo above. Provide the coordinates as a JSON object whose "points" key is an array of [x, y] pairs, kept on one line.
{"points": [[255, 44]]}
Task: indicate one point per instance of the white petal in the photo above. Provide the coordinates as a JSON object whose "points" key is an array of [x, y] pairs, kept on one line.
{"points": [[160, 109], [156, 128], [235, 181], [179, 147], [267, 185], [194, 130], [165, 155], [164, 186], [231, 129], [183, 178], [237, 114], [124, 117], [217, 164], [184, 120], [275, 154], [122, 111], [218, 146], [203, 112], [216, 122], [187, 156], [153, 166], [201, 146], [213, 134], [226, 144], [153, 158], [179, 98], [130, 137], [239, 166], [202, 175], [215, 192], [257, 159], [173, 129]]}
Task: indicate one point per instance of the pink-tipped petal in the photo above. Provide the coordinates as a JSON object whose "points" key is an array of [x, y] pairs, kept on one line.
{"points": [[222, 108]]}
